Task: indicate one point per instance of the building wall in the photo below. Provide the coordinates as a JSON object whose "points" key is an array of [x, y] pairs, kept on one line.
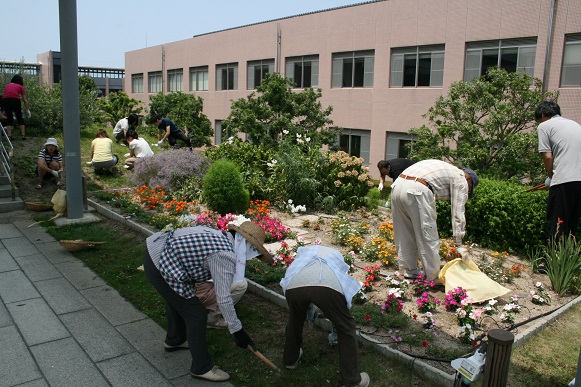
{"points": [[378, 26]]}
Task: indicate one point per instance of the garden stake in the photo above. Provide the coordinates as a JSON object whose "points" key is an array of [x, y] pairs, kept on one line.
{"points": [[263, 358]]}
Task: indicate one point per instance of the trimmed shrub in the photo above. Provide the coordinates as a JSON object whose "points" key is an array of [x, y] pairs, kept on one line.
{"points": [[176, 169], [223, 189], [502, 216]]}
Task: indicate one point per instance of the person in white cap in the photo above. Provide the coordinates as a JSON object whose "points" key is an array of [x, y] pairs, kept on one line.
{"points": [[50, 163], [175, 261], [318, 275]]}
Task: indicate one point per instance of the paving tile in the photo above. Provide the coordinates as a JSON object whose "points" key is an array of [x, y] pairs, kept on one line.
{"points": [[79, 275], [5, 318], [35, 383], [9, 231], [64, 363], [36, 234], [15, 286], [96, 335], [61, 295], [147, 337], [17, 365], [112, 306], [127, 369], [19, 247], [36, 321], [37, 267], [55, 252], [7, 263]]}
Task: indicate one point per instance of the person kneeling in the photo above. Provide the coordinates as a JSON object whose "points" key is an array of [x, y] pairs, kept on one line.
{"points": [[138, 148], [49, 163], [102, 155]]}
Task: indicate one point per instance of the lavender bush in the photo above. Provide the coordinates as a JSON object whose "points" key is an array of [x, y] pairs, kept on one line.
{"points": [[173, 170]]}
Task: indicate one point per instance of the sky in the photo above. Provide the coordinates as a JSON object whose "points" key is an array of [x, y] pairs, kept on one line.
{"points": [[106, 29]]}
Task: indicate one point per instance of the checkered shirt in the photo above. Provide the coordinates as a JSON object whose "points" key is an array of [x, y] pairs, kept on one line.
{"points": [[184, 259]]}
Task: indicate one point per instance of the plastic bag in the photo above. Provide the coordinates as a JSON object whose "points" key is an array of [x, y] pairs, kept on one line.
{"points": [[59, 199]]}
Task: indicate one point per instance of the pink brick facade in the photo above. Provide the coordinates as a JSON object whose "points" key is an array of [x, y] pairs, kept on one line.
{"points": [[377, 27]]}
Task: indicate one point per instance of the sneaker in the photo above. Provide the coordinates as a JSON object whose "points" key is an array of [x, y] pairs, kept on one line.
{"points": [[172, 348], [364, 380], [216, 322], [214, 375], [296, 363]]}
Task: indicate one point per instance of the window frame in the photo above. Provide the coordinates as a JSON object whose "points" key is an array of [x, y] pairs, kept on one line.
{"points": [[525, 57], [364, 136], [195, 73], [291, 67], [359, 63], [175, 80], [572, 41], [156, 76], [137, 78], [231, 72], [266, 66], [419, 54]]}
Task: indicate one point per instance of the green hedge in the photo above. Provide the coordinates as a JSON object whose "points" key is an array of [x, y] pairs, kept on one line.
{"points": [[502, 216]]}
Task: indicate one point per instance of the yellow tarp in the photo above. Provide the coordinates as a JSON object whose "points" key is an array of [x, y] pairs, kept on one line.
{"points": [[467, 275]]}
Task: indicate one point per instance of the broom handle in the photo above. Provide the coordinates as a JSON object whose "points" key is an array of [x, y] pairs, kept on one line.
{"points": [[263, 358]]}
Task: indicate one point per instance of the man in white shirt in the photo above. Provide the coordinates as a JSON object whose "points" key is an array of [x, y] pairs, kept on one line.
{"points": [[138, 148]]}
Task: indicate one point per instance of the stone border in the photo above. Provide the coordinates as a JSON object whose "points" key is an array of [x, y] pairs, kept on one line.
{"points": [[279, 300]]}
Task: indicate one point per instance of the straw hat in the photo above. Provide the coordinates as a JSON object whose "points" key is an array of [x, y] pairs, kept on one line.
{"points": [[254, 234]]}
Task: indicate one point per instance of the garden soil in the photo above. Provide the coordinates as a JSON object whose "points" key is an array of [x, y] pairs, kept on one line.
{"points": [[444, 340]]}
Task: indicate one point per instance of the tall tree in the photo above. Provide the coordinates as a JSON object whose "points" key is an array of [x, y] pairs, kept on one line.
{"points": [[118, 105], [275, 110], [486, 124]]}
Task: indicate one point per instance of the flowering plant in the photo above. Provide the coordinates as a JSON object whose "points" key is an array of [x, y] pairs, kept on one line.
{"points": [[421, 285], [349, 258], [466, 334], [491, 308], [453, 298], [393, 304], [510, 310], [427, 303], [429, 322], [540, 295], [295, 209]]}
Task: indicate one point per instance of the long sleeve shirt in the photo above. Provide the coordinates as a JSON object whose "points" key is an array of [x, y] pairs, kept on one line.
{"points": [[447, 182]]}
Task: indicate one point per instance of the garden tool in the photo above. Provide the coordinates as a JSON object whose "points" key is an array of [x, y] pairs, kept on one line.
{"points": [[263, 358], [537, 187]]}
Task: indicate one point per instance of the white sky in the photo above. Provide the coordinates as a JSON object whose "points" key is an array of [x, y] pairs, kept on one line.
{"points": [[106, 29]]}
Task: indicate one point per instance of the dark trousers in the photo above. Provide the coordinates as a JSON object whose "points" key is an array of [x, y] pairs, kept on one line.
{"points": [[334, 306], [186, 319], [13, 106], [171, 139], [563, 209]]}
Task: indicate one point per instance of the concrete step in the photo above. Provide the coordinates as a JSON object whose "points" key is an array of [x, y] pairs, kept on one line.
{"points": [[7, 205], [4, 180], [6, 191]]}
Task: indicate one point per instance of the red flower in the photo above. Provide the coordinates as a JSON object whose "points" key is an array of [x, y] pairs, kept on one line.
{"points": [[415, 316], [560, 221], [367, 317], [425, 344]]}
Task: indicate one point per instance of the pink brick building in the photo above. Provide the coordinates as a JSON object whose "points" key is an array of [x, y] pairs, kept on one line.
{"points": [[380, 64]]}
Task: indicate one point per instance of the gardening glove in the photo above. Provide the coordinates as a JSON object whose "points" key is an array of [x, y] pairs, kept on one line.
{"points": [[159, 142], [127, 154], [548, 182], [380, 186], [28, 113], [243, 340], [463, 251], [55, 173]]}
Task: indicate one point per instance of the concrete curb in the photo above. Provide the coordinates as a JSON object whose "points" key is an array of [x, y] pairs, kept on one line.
{"points": [[279, 300]]}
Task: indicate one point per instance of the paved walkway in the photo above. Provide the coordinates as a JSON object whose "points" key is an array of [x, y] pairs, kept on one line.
{"points": [[61, 325]]}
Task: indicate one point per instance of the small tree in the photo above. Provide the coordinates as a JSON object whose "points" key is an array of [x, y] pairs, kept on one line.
{"points": [[486, 124], [223, 189], [117, 106], [185, 110], [275, 109]]}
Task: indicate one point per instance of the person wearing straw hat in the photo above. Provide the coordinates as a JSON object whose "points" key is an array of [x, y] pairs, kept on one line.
{"points": [[176, 260], [49, 163]]}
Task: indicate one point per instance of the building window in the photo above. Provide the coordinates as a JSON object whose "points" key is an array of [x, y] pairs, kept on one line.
{"points": [[356, 143], [353, 69], [257, 70], [154, 82], [397, 145], [199, 78], [227, 76], [571, 73], [174, 80], [417, 66], [137, 83], [303, 70], [512, 55]]}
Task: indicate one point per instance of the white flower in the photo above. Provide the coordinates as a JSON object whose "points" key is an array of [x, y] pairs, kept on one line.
{"points": [[285, 131], [539, 285], [492, 302], [290, 201], [428, 314], [299, 135], [532, 292], [307, 139]]}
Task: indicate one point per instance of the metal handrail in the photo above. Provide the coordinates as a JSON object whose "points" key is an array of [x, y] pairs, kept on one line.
{"points": [[6, 160]]}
